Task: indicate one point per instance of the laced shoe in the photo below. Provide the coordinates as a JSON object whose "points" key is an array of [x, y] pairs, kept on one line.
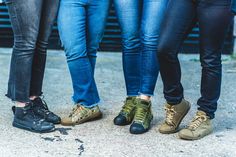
{"points": [[199, 127], [143, 117], [41, 109], [174, 116], [25, 118], [126, 114], [81, 114]]}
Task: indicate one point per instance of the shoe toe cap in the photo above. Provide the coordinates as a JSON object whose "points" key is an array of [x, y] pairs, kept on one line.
{"points": [[165, 129], [120, 120], [186, 134], [54, 119], [137, 129]]}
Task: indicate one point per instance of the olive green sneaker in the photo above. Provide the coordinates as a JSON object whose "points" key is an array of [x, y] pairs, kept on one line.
{"points": [[199, 127], [143, 117], [126, 114], [174, 116], [81, 114]]}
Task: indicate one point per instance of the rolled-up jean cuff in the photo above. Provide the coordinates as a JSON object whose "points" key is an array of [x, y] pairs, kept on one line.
{"points": [[141, 93], [36, 93], [88, 106], [132, 95], [17, 100]]}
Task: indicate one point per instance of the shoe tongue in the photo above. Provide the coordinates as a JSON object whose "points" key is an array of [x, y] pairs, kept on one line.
{"points": [[144, 102], [201, 113], [37, 100], [28, 106]]}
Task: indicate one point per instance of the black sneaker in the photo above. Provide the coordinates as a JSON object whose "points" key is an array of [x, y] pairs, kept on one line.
{"points": [[41, 109], [24, 118]]}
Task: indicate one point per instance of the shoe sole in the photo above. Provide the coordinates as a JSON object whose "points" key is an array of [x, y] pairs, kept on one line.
{"points": [[177, 128], [183, 137], [58, 122], [89, 119], [17, 125], [128, 123]]}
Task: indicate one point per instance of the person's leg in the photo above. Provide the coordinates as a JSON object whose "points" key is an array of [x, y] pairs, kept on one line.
{"points": [[178, 21], [73, 37], [72, 28], [152, 17], [214, 20], [129, 17], [25, 38], [97, 13], [48, 15], [25, 17]]}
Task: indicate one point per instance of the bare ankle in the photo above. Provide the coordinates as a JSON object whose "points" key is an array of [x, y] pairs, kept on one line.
{"points": [[20, 104], [145, 97], [33, 97]]}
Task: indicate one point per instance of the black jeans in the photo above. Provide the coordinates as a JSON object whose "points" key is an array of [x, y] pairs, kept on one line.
{"points": [[214, 18], [32, 22]]}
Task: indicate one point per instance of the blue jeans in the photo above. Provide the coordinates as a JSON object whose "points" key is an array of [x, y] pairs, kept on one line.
{"points": [[214, 18], [140, 23], [81, 25]]}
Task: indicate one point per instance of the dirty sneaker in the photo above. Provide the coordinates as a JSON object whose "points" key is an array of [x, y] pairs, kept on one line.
{"points": [[25, 118], [41, 109], [126, 114], [199, 127], [143, 117], [81, 114], [174, 116]]}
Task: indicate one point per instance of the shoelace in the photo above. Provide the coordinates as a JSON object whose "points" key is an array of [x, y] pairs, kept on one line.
{"points": [[196, 122], [140, 114], [78, 109], [45, 107], [170, 112], [32, 114], [127, 108]]}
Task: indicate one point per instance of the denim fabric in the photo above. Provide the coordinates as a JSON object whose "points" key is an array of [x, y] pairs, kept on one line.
{"points": [[233, 6], [81, 25], [32, 23], [214, 18], [140, 23]]}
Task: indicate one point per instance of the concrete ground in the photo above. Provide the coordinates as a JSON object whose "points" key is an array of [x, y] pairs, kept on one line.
{"points": [[102, 138]]}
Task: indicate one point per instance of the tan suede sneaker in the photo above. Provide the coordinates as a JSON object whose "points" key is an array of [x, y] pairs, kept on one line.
{"points": [[81, 114], [174, 116], [199, 127]]}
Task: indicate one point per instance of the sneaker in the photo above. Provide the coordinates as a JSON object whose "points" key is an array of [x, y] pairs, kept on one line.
{"points": [[199, 127], [174, 116], [126, 114], [143, 117], [25, 118], [81, 114], [41, 109]]}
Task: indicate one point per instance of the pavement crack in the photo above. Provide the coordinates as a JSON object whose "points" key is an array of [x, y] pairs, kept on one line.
{"points": [[63, 131], [81, 149]]}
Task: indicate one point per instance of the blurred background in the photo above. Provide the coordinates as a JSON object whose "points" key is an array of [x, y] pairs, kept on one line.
{"points": [[112, 37]]}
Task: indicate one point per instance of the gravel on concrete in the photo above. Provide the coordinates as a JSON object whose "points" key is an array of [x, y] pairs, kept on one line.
{"points": [[103, 139]]}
